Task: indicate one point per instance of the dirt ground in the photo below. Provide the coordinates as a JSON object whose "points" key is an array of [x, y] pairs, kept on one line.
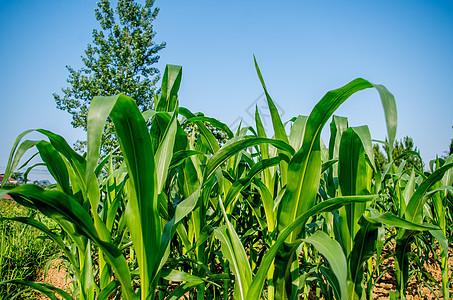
{"points": [[416, 290], [57, 277]]}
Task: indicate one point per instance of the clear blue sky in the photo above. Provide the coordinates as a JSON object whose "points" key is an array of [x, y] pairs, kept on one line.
{"points": [[304, 49]]}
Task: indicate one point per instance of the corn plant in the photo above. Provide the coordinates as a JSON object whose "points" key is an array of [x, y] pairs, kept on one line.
{"points": [[174, 211]]}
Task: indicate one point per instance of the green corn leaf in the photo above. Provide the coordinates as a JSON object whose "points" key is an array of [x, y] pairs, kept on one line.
{"points": [[58, 143], [44, 288], [354, 176], [237, 258], [414, 209], [182, 210], [171, 81], [241, 184], [304, 170], [180, 156], [142, 211], [148, 114], [55, 165], [12, 161], [165, 152], [332, 251], [409, 190], [337, 126], [443, 241], [257, 285], [87, 278], [23, 147], [364, 247], [279, 129], [286, 271], [106, 291], [391, 119], [268, 204], [176, 275], [363, 133], [233, 250], [68, 212], [98, 112], [391, 220], [76, 161], [215, 123], [238, 145], [296, 134], [326, 165], [210, 140], [332, 280], [181, 290], [54, 237]]}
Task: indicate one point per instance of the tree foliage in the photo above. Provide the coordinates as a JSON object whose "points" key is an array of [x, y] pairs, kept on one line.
{"points": [[120, 60], [411, 154]]}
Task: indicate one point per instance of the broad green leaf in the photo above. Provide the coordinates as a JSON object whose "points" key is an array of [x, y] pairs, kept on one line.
{"points": [[415, 207], [62, 208], [176, 275], [233, 250], [44, 288], [239, 185], [215, 123], [333, 253], [443, 241], [209, 138], [304, 169], [142, 211], [182, 210], [50, 234], [279, 128], [364, 247], [391, 119], [16, 154], [390, 219], [98, 112], [354, 177], [407, 193], [268, 204], [296, 134], [180, 156], [171, 81], [164, 153], [239, 264], [233, 148], [105, 293], [257, 285], [55, 165], [365, 137]]}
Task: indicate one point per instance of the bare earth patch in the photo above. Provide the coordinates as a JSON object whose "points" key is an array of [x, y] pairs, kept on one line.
{"points": [[56, 276], [415, 290]]}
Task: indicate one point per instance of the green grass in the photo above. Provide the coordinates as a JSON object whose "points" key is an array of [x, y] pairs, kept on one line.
{"points": [[23, 253]]}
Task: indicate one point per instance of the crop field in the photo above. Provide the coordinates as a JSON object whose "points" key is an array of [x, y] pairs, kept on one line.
{"points": [[186, 208]]}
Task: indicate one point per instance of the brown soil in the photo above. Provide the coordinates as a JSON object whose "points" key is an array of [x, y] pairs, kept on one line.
{"points": [[56, 276], [416, 289]]}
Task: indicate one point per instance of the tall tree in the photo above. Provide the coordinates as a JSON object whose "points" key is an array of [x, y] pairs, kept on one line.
{"points": [[120, 60], [406, 145]]}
